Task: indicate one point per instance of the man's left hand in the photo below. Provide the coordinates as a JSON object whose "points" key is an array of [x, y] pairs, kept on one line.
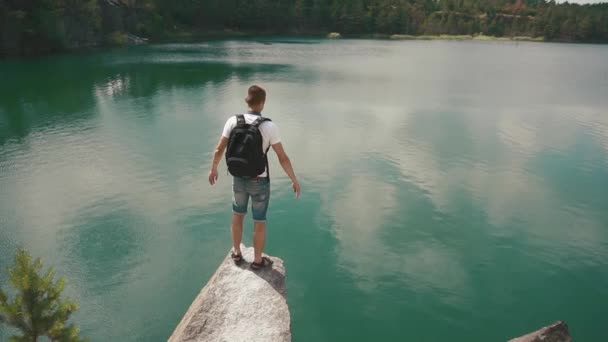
{"points": [[212, 176], [296, 188]]}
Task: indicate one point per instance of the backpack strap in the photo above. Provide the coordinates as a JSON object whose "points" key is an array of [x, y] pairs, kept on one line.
{"points": [[240, 120], [260, 120], [267, 165]]}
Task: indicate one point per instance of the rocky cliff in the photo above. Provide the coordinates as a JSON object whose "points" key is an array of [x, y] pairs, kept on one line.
{"points": [[556, 332], [239, 304]]}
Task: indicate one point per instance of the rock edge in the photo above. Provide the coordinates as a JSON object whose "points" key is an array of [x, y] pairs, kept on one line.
{"points": [[239, 304], [556, 332]]}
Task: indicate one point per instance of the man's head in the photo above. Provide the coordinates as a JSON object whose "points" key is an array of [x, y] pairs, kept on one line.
{"points": [[256, 97]]}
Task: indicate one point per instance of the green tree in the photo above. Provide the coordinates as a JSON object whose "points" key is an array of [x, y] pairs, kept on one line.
{"points": [[452, 24], [299, 13], [37, 309], [585, 28], [320, 14], [568, 29]]}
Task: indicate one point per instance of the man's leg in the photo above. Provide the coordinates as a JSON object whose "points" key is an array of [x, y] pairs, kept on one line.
{"points": [[260, 195], [240, 198], [237, 232], [259, 238]]}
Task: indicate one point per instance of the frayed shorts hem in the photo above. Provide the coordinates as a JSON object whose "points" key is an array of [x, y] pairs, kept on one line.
{"points": [[245, 214]]}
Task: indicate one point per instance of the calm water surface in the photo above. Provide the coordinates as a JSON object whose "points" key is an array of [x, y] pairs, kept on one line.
{"points": [[451, 189]]}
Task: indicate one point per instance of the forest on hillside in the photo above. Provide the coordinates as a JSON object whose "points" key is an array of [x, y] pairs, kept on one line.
{"points": [[40, 26]]}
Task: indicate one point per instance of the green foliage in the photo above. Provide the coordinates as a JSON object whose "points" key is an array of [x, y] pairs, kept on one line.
{"points": [[35, 26], [117, 38], [37, 309]]}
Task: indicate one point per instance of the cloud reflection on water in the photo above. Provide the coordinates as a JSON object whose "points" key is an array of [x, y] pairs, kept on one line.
{"points": [[405, 156], [447, 142]]}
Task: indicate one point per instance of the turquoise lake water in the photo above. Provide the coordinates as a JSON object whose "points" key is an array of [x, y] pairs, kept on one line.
{"points": [[451, 190]]}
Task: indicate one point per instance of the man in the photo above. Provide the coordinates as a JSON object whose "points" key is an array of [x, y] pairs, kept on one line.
{"points": [[256, 186]]}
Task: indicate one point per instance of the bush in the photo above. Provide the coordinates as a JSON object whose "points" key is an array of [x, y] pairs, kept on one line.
{"points": [[117, 38]]}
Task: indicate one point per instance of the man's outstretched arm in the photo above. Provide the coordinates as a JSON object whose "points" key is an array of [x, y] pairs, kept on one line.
{"points": [[217, 157], [286, 165]]}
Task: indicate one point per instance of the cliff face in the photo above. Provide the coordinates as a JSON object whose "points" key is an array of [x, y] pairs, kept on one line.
{"points": [[29, 28], [239, 304], [556, 332]]}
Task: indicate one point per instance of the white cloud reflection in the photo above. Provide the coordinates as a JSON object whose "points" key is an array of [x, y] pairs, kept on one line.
{"points": [[374, 110], [335, 125]]}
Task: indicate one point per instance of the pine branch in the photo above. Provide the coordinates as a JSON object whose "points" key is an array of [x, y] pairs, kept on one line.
{"points": [[2, 306], [37, 309]]}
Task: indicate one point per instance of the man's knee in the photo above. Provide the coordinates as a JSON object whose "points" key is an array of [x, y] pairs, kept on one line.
{"points": [[238, 218], [259, 226]]}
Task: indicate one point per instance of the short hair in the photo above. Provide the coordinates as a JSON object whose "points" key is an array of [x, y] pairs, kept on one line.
{"points": [[255, 95]]}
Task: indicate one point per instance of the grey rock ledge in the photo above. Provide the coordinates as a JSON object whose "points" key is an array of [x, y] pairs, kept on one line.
{"points": [[556, 332], [239, 304]]}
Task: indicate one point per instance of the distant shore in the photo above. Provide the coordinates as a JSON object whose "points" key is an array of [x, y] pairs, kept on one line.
{"points": [[466, 37], [210, 35], [198, 36]]}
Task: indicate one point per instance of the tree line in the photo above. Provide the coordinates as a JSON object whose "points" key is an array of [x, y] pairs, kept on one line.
{"points": [[36, 26]]}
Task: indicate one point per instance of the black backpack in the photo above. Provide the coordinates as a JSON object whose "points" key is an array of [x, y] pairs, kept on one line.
{"points": [[244, 155]]}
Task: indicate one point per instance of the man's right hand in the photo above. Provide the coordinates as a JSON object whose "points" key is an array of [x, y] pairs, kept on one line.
{"points": [[212, 176]]}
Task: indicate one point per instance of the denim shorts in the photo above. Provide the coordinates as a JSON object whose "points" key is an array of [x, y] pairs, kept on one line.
{"points": [[256, 188]]}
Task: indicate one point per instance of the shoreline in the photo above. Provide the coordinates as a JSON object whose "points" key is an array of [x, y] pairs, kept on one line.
{"points": [[194, 36], [480, 37], [202, 36]]}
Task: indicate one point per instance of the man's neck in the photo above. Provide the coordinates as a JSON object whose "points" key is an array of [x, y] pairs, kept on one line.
{"points": [[256, 111]]}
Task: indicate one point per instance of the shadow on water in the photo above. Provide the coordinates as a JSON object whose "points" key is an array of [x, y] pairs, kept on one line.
{"points": [[591, 177], [38, 93], [94, 233]]}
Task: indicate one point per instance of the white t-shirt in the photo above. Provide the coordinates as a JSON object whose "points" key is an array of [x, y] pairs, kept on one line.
{"points": [[268, 129]]}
